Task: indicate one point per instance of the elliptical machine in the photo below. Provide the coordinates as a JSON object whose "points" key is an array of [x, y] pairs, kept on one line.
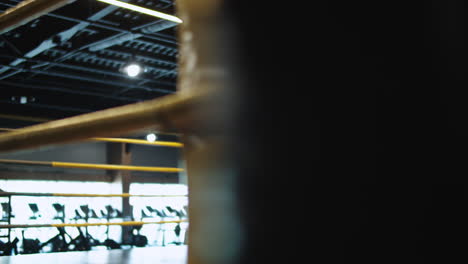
{"points": [[9, 248], [177, 230], [109, 214], [57, 243], [136, 239]]}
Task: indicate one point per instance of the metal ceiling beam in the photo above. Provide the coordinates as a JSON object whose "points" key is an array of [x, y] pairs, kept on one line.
{"points": [[62, 36], [137, 44], [153, 36], [67, 91], [141, 57], [92, 58], [54, 107], [123, 37], [68, 55], [119, 55], [82, 56], [27, 11], [88, 69], [90, 79]]}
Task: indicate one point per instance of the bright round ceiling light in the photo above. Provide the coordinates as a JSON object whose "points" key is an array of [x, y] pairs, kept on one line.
{"points": [[133, 70], [151, 137]]}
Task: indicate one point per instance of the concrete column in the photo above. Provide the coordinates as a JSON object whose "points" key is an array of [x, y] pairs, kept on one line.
{"points": [[119, 153]]}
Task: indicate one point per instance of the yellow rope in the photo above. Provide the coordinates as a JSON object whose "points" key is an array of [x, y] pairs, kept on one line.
{"points": [[129, 223], [112, 167], [141, 142]]}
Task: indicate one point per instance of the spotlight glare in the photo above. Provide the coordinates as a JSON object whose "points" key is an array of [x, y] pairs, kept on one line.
{"points": [[133, 70], [143, 10], [151, 137]]}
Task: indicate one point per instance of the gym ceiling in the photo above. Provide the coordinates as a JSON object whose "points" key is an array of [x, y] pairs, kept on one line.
{"points": [[70, 61]]}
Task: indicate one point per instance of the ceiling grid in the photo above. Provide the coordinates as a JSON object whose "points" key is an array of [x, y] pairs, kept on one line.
{"points": [[71, 60]]}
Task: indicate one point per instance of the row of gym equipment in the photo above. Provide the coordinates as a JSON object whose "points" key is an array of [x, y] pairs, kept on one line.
{"points": [[83, 238], [85, 212]]}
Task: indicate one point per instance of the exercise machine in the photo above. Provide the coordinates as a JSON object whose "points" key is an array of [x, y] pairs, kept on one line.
{"points": [[161, 230], [57, 243], [109, 214], [9, 248], [89, 214], [35, 210], [137, 239]]}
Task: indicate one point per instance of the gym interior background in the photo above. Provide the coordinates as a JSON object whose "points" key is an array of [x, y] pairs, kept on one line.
{"points": [[73, 61], [359, 106]]}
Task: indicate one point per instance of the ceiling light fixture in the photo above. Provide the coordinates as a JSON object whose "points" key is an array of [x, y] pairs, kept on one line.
{"points": [[143, 10], [133, 70], [23, 99], [151, 137]]}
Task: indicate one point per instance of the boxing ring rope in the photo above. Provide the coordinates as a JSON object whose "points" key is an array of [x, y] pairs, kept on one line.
{"points": [[76, 165], [127, 223], [127, 140], [86, 194], [168, 112]]}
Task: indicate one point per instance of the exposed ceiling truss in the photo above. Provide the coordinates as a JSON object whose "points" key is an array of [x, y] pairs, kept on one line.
{"points": [[69, 61]]}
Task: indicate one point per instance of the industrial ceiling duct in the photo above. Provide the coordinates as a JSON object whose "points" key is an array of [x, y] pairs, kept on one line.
{"points": [[27, 11]]}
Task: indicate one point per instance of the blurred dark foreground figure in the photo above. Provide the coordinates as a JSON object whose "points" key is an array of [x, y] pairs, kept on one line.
{"points": [[351, 131]]}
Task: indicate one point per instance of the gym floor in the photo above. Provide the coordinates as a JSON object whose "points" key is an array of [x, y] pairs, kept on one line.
{"points": [[153, 255]]}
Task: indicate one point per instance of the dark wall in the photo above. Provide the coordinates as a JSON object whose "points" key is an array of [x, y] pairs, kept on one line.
{"points": [[155, 156], [94, 152]]}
